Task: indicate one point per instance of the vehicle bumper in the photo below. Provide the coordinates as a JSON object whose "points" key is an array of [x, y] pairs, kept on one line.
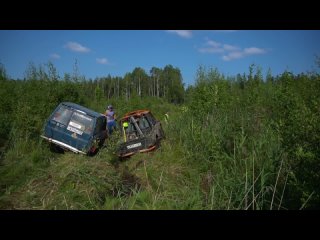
{"points": [[63, 145], [147, 145]]}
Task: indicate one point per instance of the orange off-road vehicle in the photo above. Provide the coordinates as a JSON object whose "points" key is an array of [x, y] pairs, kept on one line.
{"points": [[140, 131]]}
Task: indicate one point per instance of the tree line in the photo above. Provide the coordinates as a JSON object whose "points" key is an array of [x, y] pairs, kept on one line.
{"points": [[164, 82]]}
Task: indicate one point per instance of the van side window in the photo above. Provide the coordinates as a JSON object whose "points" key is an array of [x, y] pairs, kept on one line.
{"points": [[62, 115]]}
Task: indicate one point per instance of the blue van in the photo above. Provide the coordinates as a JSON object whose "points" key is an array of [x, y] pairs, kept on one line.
{"points": [[75, 128]]}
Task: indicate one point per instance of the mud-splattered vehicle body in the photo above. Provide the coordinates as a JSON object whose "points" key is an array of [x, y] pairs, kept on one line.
{"points": [[140, 132], [75, 128]]}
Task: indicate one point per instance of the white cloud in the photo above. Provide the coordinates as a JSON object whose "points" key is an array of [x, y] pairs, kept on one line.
{"points": [[77, 47], [226, 31], [213, 43], [212, 47], [243, 53], [55, 56], [228, 47], [102, 60], [182, 33], [226, 58], [233, 55], [254, 50], [230, 52], [216, 47]]}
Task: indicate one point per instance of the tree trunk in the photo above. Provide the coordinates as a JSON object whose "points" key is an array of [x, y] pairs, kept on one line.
{"points": [[118, 87], [154, 86], [109, 91], [158, 86], [139, 87]]}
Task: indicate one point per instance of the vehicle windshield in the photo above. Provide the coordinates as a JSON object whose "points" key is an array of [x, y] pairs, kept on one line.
{"points": [[81, 122]]}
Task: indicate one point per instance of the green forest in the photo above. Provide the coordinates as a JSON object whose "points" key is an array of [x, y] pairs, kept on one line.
{"points": [[244, 142]]}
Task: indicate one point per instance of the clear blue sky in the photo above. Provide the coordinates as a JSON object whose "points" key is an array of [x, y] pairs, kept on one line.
{"points": [[117, 52]]}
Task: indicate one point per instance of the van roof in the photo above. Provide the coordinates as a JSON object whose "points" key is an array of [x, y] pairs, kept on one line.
{"points": [[83, 109]]}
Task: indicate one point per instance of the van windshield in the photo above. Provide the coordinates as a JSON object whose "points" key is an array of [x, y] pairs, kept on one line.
{"points": [[81, 122]]}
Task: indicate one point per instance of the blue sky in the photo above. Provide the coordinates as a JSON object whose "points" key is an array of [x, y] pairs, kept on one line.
{"points": [[116, 52]]}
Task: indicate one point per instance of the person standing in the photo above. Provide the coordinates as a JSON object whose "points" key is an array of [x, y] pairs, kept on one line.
{"points": [[111, 119]]}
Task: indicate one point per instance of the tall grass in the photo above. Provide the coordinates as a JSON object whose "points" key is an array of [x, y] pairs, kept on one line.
{"points": [[227, 148], [237, 169]]}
